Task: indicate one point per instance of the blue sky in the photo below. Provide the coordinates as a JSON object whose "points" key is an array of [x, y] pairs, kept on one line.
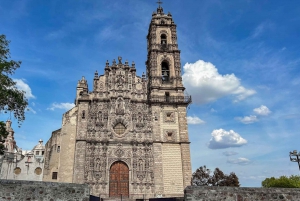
{"points": [[240, 63]]}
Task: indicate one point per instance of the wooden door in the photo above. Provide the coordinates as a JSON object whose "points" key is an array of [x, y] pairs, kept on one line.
{"points": [[119, 180]]}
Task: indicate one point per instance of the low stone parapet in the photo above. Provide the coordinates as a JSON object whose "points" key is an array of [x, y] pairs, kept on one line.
{"points": [[201, 193], [42, 191]]}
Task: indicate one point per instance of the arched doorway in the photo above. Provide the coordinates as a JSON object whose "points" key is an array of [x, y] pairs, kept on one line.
{"points": [[119, 180]]}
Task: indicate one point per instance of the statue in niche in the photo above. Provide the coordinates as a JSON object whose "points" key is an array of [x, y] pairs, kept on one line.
{"points": [[140, 118], [141, 165], [97, 164], [120, 80], [100, 116], [120, 107], [139, 123]]}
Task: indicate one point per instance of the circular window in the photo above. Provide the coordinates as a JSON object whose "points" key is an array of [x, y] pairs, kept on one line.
{"points": [[38, 171], [119, 129], [17, 170]]}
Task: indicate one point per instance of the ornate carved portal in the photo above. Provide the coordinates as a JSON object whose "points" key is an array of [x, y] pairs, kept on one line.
{"points": [[119, 180]]}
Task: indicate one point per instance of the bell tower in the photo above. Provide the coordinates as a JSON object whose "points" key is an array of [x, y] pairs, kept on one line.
{"points": [[163, 64], [168, 104]]}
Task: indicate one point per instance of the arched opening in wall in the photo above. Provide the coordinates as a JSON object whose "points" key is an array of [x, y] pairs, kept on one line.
{"points": [[165, 71], [119, 180], [163, 40]]}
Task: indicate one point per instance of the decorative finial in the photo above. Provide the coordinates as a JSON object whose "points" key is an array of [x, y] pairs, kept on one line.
{"points": [[159, 2], [120, 60]]}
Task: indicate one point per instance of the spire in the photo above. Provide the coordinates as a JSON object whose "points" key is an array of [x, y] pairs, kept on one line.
{"points": [[159, 2], [160, 10]]}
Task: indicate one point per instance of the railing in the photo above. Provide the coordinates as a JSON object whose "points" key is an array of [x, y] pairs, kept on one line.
{"points": [[164, 47], [171, 99]]}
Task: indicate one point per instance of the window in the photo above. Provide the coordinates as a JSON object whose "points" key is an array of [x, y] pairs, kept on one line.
{"points": [[170, 136], [167, 95], [37, 153], [83, 114], [54, 175], [58, 149], [119, 129], [43, 152], [163, 39], [165, 71]]}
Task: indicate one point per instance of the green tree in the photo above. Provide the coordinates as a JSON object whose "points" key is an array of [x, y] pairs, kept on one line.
{"points": [[3, 135], [204, 177], [282, 182], [12, 99]]}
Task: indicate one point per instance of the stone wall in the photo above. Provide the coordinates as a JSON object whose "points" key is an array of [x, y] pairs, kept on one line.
{"points": [[52, 153], [42, 191], [201, 193]]}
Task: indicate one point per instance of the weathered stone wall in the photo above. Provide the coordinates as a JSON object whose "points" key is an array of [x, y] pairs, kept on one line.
{"points": [[42, 191], [67, 153], [52, 153], [201, 193]]}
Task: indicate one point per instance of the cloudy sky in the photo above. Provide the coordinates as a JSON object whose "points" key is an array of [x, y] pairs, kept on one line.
{"points": [[240, 62]]}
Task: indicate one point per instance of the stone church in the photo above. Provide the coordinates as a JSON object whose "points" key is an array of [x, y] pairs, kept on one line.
{"points": [[128, 134]]}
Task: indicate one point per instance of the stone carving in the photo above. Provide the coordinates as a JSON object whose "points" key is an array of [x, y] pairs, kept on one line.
{"points": [[119, 152], [169, 117], [170, 135]]}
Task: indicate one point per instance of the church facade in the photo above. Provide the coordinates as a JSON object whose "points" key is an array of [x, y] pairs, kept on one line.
{"points": [[128, 135]]}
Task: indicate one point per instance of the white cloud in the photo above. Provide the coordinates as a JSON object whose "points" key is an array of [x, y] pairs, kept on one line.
{"points": [[205, 84], [242, 93], [262, 110], [222, 139], [20, 84], [64, 106], [31, 110], [213, 110], [239, 161], [247, 119], [194, 120], [230, 153]]}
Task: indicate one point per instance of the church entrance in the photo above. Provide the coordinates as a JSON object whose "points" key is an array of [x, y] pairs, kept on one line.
{"points": [[119, 180]]}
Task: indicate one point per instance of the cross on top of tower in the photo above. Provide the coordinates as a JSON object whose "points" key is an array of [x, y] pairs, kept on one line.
{"points": [[159, 3]]}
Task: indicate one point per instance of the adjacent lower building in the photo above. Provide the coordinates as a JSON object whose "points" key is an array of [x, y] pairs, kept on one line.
{"points": [[18, 164], [128, 136]]}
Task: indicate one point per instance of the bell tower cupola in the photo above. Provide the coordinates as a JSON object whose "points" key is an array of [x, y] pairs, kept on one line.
{"points": [[163, 60]]}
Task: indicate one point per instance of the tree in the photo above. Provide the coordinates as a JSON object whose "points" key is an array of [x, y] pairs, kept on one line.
{"points": [[3, 135], [204, 177], [12, 99], [282, 182]]}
